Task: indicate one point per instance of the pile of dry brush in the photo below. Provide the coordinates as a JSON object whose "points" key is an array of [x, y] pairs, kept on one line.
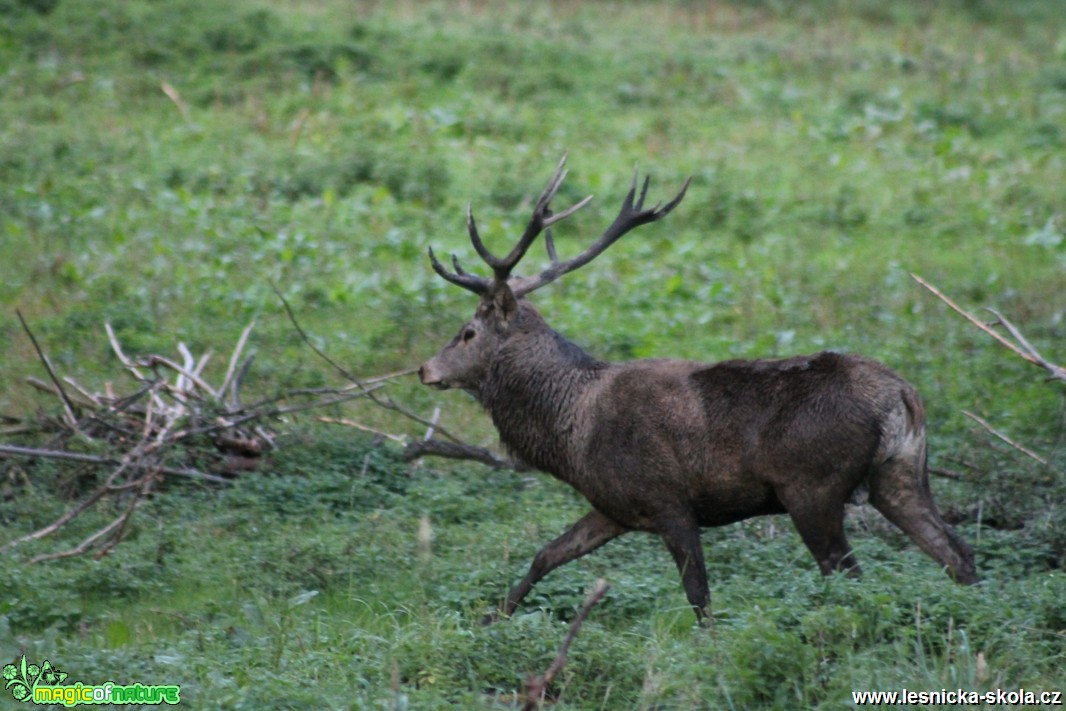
{"points": [[161, 420]]}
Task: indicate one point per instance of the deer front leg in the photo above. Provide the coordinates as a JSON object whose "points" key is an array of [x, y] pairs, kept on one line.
{"points": [[682, 539], [589, 533]]}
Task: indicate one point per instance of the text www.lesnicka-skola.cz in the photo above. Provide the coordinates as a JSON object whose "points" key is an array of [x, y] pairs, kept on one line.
{"points": [[958, 697]]}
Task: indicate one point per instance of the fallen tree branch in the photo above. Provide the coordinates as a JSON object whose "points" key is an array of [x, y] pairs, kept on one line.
{"points": [[385, 402], [996, 433], [537, 687], [1023, 349], [68, 406], [451, 450], [359, 426], [34, 453]]}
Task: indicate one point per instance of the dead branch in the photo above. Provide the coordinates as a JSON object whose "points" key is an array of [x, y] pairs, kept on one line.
{"points": [[68, 406], [1023, 349], [231, 370], [996, 433], [34, 453], [946, 473], [386, 402], [359, 426], [537, 687], [451, 450]]}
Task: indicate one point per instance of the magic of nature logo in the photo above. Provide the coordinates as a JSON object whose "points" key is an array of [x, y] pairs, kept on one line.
{"points": [[44, 683]]}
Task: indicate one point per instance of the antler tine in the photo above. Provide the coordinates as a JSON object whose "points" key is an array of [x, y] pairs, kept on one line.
{"points": [[475, 238], [470, 282], [549, 244], [556, 217], [542, 217], [631, 216], [458, 267]]}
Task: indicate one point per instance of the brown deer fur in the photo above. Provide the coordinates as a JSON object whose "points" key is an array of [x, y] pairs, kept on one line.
{"points": [[668, 446]]}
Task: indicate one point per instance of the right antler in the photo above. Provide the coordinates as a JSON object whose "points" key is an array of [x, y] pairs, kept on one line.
{"points": [[631, 216], [501, 268]]}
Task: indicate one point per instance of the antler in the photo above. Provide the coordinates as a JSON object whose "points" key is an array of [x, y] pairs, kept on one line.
{"points": [[631, 216], [541, 219]]}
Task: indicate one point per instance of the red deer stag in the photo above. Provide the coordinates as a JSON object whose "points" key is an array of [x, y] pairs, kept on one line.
{"points": [[669, 446]]}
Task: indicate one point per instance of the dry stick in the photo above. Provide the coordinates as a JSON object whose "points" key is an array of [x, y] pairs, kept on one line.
{"points": [[298, 126], [946, 473], [70, 514], [110, 529], [359, 426], [129, 461], [238, 380], [386, 402], [275, 411], [184, 382], [89, 397], [44, 387], [128, 363], [80, 548], [433, 420], [451, 450], [231, 369], [1057, 372], [536, 687], [202, 363], [68, 406], [135, 501], [11, 450], [175, 97], [1005, 438], [1027, 352], [185, 373]]}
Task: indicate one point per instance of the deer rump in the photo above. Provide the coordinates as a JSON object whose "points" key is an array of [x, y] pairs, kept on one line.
{"points": [[669, 446]]}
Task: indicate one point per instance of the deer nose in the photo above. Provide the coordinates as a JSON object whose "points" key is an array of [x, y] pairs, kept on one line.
{"points": [[422, 374]]}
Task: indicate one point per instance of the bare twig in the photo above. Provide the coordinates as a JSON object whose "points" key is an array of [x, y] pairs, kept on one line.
{"points": [[298, 126], [231, 369], [451, 450], [359, 426], [68, 406], [385, 402], [946, 473], [175, 97], [1023, 349], [32, 453], [537, 687], [992, 430]]}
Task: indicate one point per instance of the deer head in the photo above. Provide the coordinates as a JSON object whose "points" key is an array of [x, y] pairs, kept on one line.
{"points": [[503, 311]]}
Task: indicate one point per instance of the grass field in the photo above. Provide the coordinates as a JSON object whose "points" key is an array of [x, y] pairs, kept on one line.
{"points": [[162, 164]]}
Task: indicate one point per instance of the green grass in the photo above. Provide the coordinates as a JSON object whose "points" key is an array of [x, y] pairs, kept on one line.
{"points": [[833, 147]]}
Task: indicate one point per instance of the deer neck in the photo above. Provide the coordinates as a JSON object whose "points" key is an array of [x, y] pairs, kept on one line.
{"points": [[534, 394]]}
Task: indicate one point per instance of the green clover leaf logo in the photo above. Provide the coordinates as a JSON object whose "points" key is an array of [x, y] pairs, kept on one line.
{"points": [[22, 678]]}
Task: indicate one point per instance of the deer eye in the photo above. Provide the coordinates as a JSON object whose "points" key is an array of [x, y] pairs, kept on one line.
{"points": [[468, 334]]}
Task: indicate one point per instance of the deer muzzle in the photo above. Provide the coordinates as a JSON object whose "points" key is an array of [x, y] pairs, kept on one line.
{"points": [[428, 375]]}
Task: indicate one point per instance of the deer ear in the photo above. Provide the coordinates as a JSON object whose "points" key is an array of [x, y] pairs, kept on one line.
{"points": [[503, 302]]}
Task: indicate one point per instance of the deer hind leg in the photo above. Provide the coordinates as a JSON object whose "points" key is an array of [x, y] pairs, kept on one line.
{"points": [[589, 533], [899, 489]]}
